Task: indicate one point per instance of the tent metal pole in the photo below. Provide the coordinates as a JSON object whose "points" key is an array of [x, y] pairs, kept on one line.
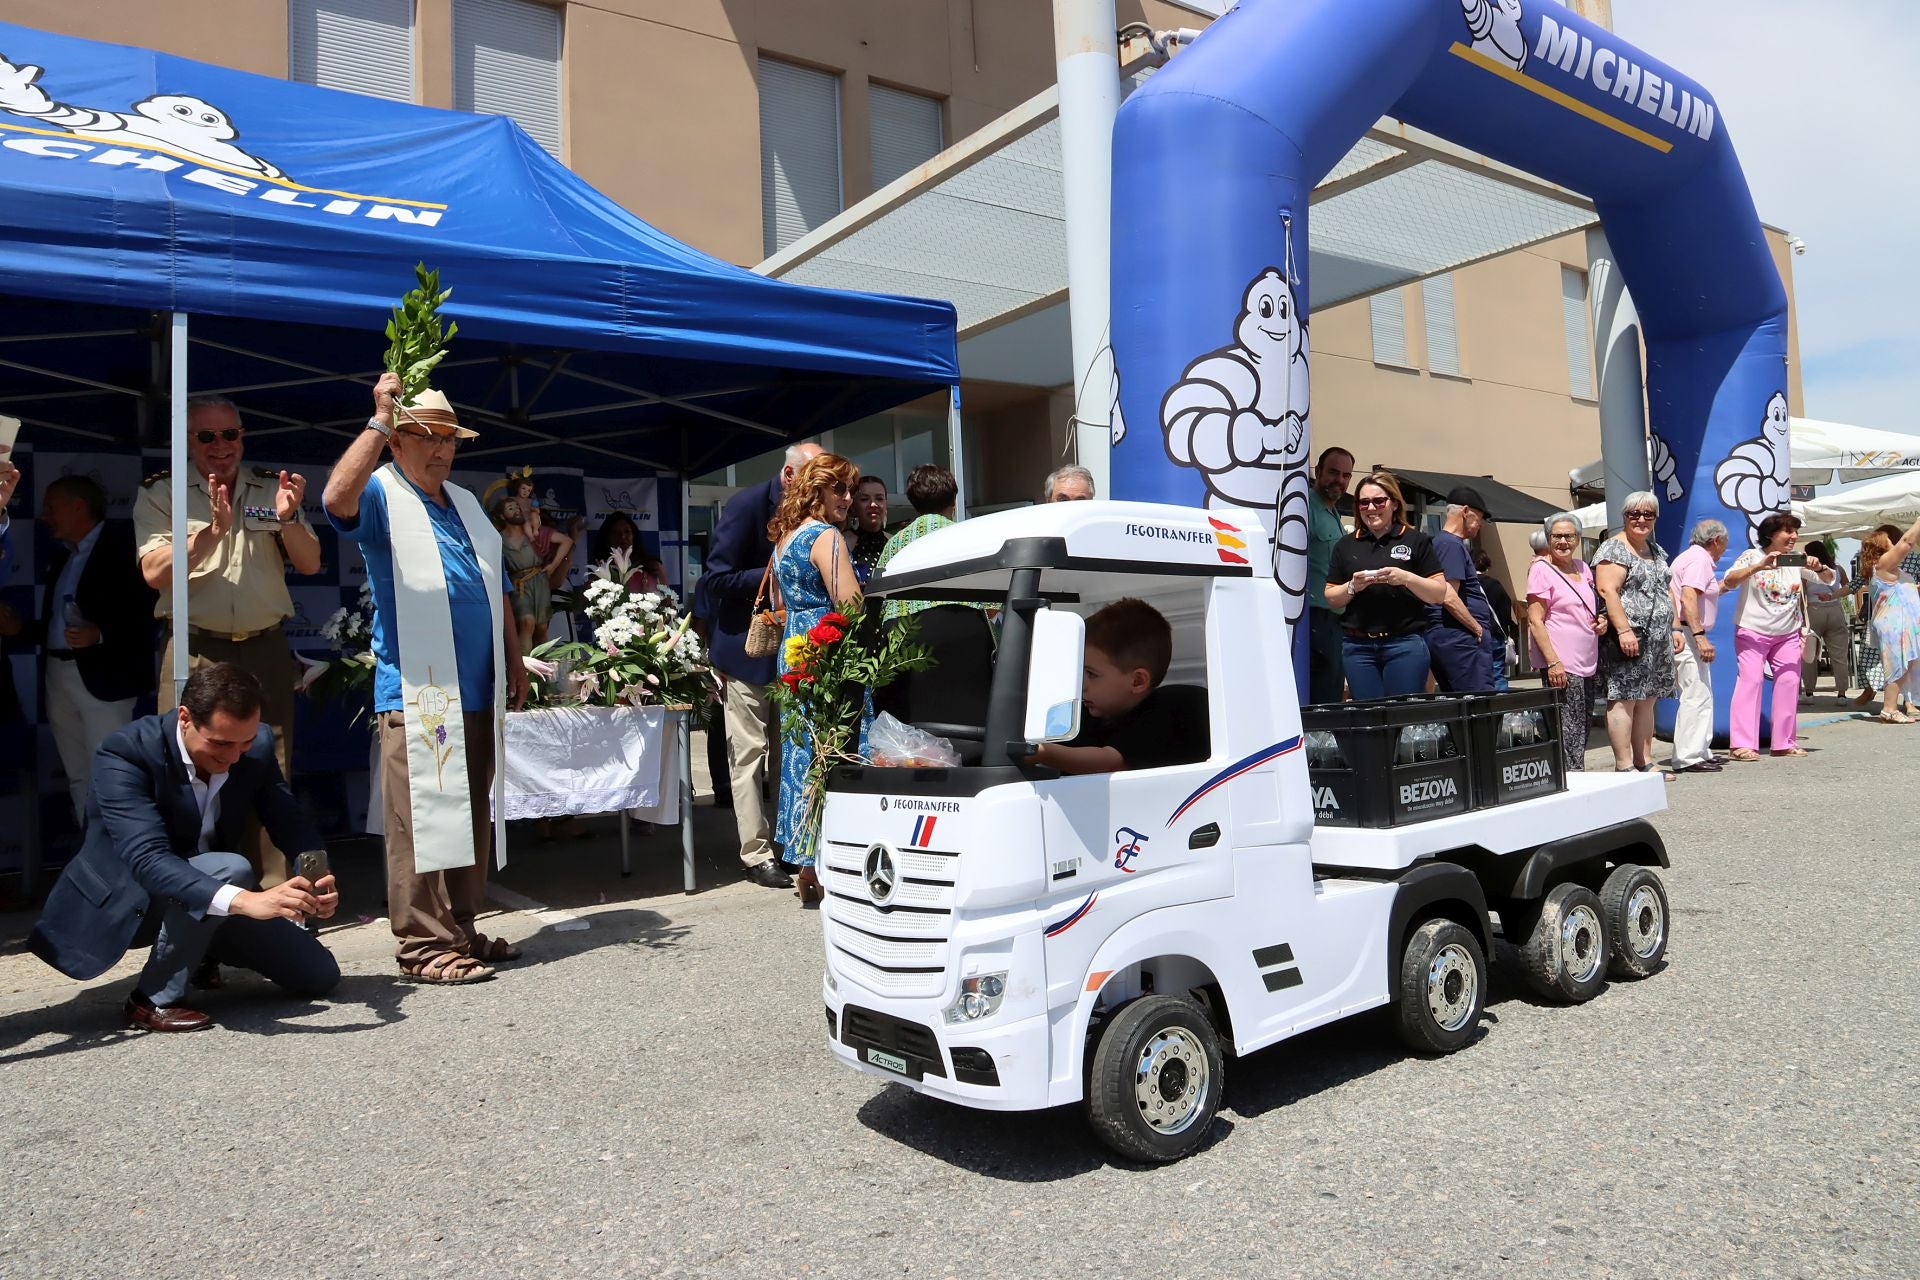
{"points": [[957, 451], [177, 484]]}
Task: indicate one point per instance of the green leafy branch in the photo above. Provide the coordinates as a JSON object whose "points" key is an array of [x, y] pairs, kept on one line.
{"points": [[416, 339]]}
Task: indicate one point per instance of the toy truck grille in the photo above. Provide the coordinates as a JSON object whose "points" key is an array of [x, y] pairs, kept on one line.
{"points": [[896, 950]]}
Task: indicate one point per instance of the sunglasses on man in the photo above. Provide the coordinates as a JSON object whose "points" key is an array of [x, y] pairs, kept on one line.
{"points": [[230, 435]]}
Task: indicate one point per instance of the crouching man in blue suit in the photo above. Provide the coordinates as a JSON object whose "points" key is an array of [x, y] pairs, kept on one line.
{"points": [[170, 794]]}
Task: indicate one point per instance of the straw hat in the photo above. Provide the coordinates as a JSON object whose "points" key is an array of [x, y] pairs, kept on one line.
{"points": [[431, 411]]}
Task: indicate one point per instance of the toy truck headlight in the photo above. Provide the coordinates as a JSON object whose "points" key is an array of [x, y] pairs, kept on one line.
{"points": [[979, 998]]}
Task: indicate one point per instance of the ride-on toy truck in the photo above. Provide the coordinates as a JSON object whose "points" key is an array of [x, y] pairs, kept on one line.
{"points": [[1004, 937]]}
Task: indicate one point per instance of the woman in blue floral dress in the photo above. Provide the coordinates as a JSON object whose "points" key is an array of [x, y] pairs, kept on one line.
{"points": [[815, 575]]}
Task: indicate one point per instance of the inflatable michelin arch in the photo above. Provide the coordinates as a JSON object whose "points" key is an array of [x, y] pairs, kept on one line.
{"points": [[1214, 162]]}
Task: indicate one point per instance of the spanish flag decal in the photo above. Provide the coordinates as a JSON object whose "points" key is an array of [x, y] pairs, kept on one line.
{"points": [[1225, 536]]}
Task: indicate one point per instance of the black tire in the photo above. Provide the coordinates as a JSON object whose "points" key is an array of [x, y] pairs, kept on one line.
{"points": [[1443, 987], [1156, 1079], [1638, 922], [1564, 957]]}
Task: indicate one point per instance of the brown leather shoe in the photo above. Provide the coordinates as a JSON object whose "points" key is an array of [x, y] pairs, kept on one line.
{"points": [[143, 1014]]}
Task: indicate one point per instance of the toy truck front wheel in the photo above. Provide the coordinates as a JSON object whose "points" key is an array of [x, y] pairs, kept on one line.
{"points": [[1156, 1079], [1443, 987]]}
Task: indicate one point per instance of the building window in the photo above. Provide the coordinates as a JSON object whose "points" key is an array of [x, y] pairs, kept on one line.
{"points": [[1443, 325], [1388, 312], [1573, 314], [903, 131], [799, 151], [362, 46], [506, 62]]}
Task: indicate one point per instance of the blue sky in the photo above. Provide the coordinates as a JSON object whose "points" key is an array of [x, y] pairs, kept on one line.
{"points": [[1819, 100]]}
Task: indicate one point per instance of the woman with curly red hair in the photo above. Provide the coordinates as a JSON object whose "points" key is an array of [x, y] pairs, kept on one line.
{"points": [[813, 574]]}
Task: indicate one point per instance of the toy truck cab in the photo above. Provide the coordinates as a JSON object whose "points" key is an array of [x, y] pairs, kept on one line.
{"points": [[1009, 938]]}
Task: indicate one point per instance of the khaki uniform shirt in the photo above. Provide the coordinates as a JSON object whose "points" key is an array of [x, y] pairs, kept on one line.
{"points": [[242, 586]]}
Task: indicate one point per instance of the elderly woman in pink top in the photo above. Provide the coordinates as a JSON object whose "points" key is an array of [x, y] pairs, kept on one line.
{"points": [[1696, 598], [1565, 621], [1766, 636]]}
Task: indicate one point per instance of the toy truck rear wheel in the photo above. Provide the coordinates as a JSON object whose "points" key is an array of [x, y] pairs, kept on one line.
{"points": [[1443, 987], [1635, 904], [1156, 1079], [1564, 956]]}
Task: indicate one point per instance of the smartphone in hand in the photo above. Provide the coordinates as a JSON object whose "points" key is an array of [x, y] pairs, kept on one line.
{"points": [[312, 866], [1790, 560]]}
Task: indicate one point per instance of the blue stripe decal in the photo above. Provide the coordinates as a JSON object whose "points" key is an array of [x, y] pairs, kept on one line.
{"points": [[1233, 771], [1059, 927]]}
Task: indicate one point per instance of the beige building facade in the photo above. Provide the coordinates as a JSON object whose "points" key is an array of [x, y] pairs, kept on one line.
{"points": [[659, 103]]}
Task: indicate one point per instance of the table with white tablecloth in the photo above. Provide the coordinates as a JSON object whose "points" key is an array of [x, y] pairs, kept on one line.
{"points": [[573, 761]]}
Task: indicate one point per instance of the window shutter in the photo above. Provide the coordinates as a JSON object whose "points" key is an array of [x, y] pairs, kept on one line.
{"points": [[799, 151], [506, 62], [1389, 314], [362, 46], [1573, 313], [903, 131], [1443, 332]]}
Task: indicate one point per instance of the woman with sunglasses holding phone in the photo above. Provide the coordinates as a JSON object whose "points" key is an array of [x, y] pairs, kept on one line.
{"points": [[1636, 667], [1383, 576], [813, 573]]}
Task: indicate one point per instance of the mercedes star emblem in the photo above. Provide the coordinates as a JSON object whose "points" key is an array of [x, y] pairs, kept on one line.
{"points": [[880, 875]]}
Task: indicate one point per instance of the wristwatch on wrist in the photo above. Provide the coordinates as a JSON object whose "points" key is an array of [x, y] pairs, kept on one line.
{"points": [[374, 424]]}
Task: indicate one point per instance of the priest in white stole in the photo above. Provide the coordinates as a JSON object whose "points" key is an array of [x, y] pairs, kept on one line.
{"points": [[446, 667]]}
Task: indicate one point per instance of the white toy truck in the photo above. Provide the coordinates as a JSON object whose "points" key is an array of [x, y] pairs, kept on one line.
{"points": [[1008, 938]]}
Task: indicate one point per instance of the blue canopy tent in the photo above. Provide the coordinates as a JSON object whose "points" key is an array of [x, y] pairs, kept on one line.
{"points": [[139, 189]]}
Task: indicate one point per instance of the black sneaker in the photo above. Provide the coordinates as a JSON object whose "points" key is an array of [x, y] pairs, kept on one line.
{"points": [[769, 876]]}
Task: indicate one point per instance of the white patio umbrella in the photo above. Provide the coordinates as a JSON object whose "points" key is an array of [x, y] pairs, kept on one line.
{"points": [[1822, 449], [1855, 512]]}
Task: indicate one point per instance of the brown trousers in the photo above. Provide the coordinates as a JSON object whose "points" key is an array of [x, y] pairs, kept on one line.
{"points": [[433, 912], [271, 662]]}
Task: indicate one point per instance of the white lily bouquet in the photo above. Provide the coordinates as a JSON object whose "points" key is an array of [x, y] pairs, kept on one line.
{"points": [[644, 651], [349, 672]]}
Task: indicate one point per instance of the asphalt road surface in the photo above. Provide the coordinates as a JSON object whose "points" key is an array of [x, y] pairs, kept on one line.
{"points": [[651, 1095]]}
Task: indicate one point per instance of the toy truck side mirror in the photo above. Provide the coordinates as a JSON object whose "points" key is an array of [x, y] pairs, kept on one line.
{"points": [[1055, 667]]}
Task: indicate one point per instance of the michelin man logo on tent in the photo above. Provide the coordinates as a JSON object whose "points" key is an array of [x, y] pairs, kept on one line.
{"points": [[1755, 477], [1239, 415], [1495, 28], [174, 121]]}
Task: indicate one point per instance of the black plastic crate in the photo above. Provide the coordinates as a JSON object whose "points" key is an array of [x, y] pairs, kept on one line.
{"points": [[1514, 743], [1387, 763]]}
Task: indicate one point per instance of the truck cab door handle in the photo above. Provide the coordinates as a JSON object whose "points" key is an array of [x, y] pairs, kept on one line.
{"points": [[1204, 837]]}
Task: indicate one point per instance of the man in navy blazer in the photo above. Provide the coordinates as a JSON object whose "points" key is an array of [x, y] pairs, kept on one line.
{"points": [[737, 557], [171, 793]]}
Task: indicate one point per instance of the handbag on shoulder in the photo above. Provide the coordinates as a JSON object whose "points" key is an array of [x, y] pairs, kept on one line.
{"points": [[769, 625]]}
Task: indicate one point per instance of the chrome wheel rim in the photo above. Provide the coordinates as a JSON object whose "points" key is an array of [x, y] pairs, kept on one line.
{"points": [[1646, 922], [1581, 949], [1170, 1080], [1453, 985]]}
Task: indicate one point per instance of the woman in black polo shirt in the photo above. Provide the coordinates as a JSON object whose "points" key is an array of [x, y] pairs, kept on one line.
{"points": [[1384, 575]]}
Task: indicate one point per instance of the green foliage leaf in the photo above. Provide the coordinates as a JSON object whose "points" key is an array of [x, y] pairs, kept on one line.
{"points": [[417, 340]]}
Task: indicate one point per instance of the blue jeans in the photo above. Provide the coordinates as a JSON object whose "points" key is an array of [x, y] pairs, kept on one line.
{"points": [[1387, 667]]}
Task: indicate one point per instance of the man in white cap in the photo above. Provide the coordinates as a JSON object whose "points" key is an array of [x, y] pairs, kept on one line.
{"points": [[441, 681]]}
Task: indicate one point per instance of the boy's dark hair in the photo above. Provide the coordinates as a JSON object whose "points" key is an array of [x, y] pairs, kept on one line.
{"points": [[1133, 635], [931, 489], [221, 686]]}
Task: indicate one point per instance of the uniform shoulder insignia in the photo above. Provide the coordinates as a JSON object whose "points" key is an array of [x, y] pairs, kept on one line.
{"points": [[265, 473], [155, 478]]}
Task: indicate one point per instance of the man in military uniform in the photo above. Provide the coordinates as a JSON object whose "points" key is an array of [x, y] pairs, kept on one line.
{"points": [[244, 526]]}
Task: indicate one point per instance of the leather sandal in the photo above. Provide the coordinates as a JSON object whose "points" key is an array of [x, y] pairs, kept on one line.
{"points": [[448, 969], [495, 950], [1746, 755]]}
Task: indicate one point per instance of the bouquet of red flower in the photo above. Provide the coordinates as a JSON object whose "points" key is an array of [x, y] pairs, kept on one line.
{"points": [[822, 695]]}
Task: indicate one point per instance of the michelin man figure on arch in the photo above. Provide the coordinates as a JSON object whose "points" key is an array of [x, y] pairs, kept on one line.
{"points": [[1756, 476], [1239, 416]]}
